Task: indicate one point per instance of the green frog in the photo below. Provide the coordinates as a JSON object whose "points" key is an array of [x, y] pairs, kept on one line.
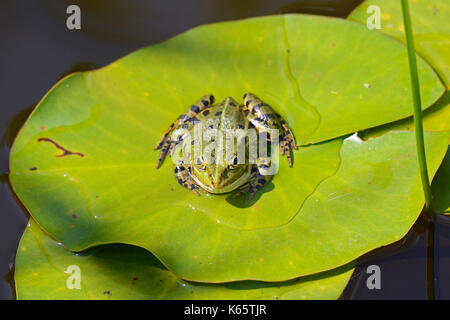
{"points": [[227, 171]]}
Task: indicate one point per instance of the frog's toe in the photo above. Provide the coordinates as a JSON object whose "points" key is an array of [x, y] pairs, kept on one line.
{"points": [[183, 177], [237, 194], [160, 143], [287, 134], [161, 157], [245, 189], [252, 187], [285, 148], [194, 189]]}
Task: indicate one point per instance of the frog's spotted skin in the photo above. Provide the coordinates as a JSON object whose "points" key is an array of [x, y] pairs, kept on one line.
{"points": [[224, 175], [185, 121], [183, 175], [262, 117]]}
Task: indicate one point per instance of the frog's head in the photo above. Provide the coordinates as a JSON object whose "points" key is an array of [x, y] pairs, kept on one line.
{"points": [[220, 176]]}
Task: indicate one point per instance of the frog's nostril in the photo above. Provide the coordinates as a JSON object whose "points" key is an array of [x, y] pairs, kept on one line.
{"points": [[216, 180]]}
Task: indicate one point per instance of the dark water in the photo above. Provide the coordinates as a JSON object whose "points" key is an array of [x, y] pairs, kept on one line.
{"points": [[38, 49]]}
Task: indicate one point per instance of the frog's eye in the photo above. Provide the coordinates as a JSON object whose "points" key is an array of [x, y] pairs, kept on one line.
{"points": [[200, 164], [234, 162]]}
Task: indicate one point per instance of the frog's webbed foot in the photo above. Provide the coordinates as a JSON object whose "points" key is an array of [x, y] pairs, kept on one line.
{"points": [[187, 119], [287, 141], [256, 182], [182, 174], [166, 148]]}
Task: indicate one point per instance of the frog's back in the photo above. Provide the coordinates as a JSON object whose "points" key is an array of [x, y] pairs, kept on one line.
{"points": [[225, 115]]}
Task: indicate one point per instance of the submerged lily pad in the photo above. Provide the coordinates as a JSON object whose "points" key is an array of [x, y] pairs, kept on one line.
{"points": [[84, 164], [441, 187], [430, 28], [128, 272]]}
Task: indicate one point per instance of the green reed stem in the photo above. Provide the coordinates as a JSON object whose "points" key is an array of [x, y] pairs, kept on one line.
{"points": [[417, 109]]}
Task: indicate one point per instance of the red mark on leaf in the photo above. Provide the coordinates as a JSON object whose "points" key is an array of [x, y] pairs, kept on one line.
{"points": [[64, 150]]}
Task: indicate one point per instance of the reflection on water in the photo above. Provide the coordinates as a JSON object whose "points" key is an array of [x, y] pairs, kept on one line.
{"points": [[322, 7], [147, 22], [13, 126]]}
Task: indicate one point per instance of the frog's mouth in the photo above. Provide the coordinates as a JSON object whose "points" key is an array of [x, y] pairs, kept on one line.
{"points": [[239, 182]]}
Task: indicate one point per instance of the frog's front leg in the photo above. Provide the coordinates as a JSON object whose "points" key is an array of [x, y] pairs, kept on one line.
{"points": [[255, 183], [185, 121], [183, 176], [264, 118]]}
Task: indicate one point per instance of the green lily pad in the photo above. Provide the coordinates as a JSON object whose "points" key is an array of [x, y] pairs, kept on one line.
{"points": [[372, 200], [350, 84], [83, 164], [128, 272], [430, 27], [436, 119], [432, 41]]}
